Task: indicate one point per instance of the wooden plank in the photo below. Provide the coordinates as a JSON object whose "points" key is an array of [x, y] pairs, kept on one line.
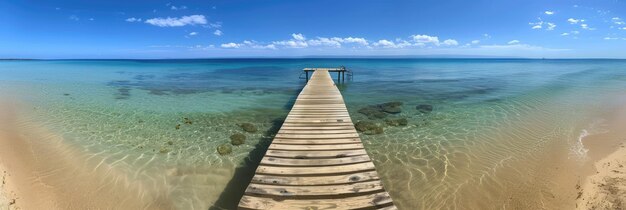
{"points": [[315, 180], [314, 128], [310, 131], [314, 162], [291, 147], [322, 170], [316, 141], [314, 154], [342, 189], [377, 200], [318, 136]]}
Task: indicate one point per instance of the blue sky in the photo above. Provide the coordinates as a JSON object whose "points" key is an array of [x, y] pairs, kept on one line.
{"points": [[235, 28]]}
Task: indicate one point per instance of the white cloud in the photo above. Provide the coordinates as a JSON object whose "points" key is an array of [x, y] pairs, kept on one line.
{"points": [[536, 25], [551, 26], [565, 34], [176, 22], [487, 36], [513, 42], [425, 39], [132, 19], [321, 41], [549, 12], [450, 42], [291, 43], [574, 20], [475, 41], [385, 43], [610, 38], [247, 43], [218, 32], [298, 37], [575, 32], [618, 21], [178, 8], [586, 27], [193, 33], [361, 41], [230, 45], [215, 25], [74, 18]]}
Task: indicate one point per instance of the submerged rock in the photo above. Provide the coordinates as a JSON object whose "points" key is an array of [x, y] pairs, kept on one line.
{"points": [[372, 112], [397, 121], [368, 127], [380, 111], [164, 150], [187, 121], [424, 108], [177, 127], [394, 107], [224, 149], [237, 139], [248, 127]]}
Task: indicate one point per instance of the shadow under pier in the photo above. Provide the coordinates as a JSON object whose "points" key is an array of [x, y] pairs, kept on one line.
{"points": [[236, 187]]}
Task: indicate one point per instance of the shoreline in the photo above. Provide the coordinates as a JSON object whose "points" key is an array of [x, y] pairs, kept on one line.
{"points": [[606, 189], [41, 171], [605, 185]]}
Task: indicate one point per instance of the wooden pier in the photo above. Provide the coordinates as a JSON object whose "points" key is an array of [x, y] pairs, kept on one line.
{"points": [[341, 72], [317, 160]]}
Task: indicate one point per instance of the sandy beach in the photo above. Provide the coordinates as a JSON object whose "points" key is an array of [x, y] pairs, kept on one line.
{"points": [[39, 171], [607, 188]]}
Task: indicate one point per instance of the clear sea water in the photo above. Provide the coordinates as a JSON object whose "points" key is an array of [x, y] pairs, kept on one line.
{"points": [[494, 126]]}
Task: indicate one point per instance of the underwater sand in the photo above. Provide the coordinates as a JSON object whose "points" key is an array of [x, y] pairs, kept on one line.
{"points": [[502, 133]]}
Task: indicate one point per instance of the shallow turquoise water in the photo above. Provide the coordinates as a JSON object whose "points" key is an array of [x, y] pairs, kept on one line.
{"points": [[493, 120]]}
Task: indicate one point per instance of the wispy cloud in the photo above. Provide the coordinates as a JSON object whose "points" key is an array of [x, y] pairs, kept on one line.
{"points": [[541, 24], [74, 18], [617, 21], [230, 45], [574, 20], [250, 44], [132, 19], [217, 32], [193, 33], [549, 12], [183, 7], [422, 39], [177, 22], [586, 27], [513, 42], [550, 26], [450, 42]]}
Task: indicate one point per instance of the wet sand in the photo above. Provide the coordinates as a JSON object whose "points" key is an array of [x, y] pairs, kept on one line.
{"points": [[605, 187], [39, 171]]}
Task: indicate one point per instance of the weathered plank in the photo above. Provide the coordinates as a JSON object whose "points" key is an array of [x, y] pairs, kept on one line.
{"points": [[377, 200], [314, 162], [315, 180]]}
